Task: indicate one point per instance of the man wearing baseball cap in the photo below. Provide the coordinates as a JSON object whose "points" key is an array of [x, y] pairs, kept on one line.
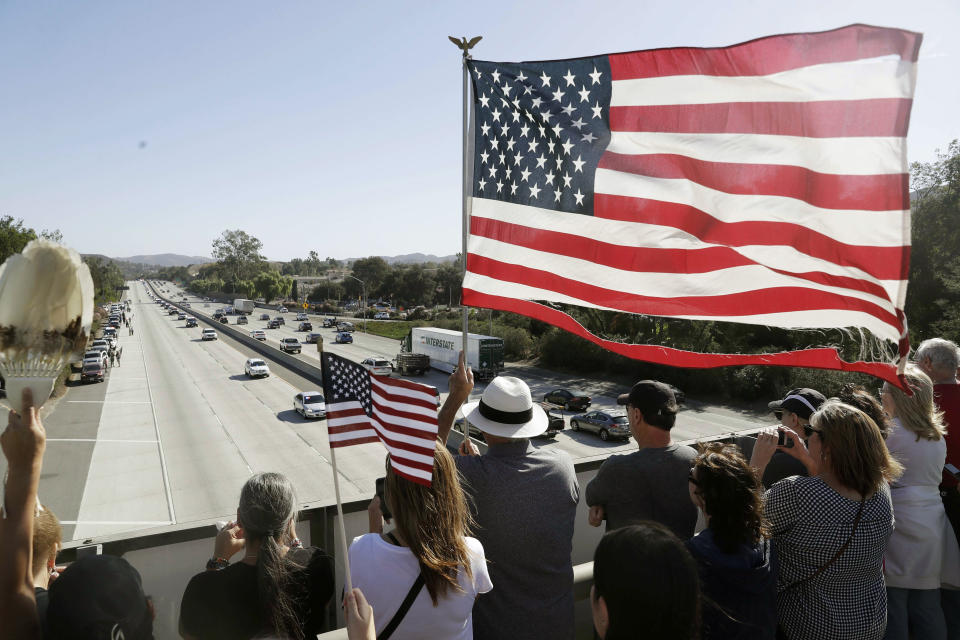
{"points": [[649, 484], [524, 500], [793, 412]]}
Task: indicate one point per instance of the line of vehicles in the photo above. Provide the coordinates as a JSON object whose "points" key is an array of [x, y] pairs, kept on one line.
{"points": [[93, 364], [309, 404]]}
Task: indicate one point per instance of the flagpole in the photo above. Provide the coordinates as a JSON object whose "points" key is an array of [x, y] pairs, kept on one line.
{"points": [[465, 45], [336, 489], [343, 531], [465, 183]]}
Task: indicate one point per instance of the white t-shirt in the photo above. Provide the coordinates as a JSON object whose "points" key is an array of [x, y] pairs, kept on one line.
{"points": [[385, 573]]}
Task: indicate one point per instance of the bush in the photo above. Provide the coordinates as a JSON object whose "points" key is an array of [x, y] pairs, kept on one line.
{"points": [[752, 382], [327, 307], [418, 314], [517, 343], [825, 381]]}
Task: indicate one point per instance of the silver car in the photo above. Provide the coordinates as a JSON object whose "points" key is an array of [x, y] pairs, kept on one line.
{"points": [[608, 424], [310, 404]]}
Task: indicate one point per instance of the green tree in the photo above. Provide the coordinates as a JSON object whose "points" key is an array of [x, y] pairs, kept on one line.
{"points": [[199, 287], [294, 293], [14, 236], [373, 271], [107, 279], [328, 290], [238, 254], [934, 291], [271, 285]]}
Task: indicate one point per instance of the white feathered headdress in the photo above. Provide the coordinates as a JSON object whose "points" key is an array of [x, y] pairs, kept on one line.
{"points": [[46, 308]]}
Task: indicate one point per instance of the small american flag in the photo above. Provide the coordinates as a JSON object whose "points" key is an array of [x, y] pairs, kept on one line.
{"points": [[762, 183], [364, 407]]}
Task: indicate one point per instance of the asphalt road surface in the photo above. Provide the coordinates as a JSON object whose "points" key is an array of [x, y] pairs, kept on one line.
{"points": [[174, 432]]}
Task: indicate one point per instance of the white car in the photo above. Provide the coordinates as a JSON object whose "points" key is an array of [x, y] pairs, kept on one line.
{"points": [[258, 334], [302, 317], [209, 334], [310, 404], [378, 366], [255, 368], [383, 315], [95, 355], [282, 310]]}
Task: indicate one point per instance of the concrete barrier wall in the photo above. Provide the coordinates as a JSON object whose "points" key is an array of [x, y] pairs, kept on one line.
{"points": [[296, 365]]}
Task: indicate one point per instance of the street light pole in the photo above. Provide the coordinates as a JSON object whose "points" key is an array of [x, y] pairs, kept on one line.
{"points": [[363, 286]]}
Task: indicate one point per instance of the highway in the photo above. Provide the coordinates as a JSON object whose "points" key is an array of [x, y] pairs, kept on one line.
{"points": [[173, 433], [695, 420]]}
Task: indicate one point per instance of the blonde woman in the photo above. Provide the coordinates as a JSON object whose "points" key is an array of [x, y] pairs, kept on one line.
{"points": [[922, 554], [830, 530], [427, 560]]}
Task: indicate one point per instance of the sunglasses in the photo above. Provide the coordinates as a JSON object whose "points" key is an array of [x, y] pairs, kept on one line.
{"points": [[778, 414], [809, 431], [691, 478]]}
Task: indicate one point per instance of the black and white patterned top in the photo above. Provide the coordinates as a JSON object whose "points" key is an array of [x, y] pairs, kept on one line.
{"points": [[810, 522]]}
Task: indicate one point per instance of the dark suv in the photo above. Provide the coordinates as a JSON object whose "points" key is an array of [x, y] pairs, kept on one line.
{"points": [[568, 400]]}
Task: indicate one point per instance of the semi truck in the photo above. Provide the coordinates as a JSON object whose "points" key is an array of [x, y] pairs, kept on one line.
{"points": [[484, 353], [243, 306]]}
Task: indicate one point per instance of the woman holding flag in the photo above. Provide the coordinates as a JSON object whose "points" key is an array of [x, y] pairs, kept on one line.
{"points": [[421, 578]]}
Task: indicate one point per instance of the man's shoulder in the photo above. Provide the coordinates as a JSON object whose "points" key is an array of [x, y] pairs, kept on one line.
{"points": [[553, 457], [682, 451]]}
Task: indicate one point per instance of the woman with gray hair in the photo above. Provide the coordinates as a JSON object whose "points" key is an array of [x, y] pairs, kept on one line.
{"points": [[278, 588]]}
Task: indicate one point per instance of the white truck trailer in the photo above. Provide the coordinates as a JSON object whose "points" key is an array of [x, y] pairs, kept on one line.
{"points": [[484, 353], [243, 306]]}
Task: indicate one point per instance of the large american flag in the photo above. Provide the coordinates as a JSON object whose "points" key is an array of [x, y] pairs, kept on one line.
{"points": [[365, 407], [763, 183]]}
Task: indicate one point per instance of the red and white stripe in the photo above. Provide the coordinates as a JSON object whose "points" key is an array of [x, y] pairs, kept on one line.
{"points": [[404, 418], [764, 183]]}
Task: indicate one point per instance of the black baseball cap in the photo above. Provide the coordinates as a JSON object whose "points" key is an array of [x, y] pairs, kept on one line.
{"points": [[651, 397], [803, 402], [99, 597]]}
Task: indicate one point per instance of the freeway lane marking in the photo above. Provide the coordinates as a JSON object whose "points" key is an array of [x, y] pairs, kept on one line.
{"points": [[156, 429], [99, 440], [112, 401], [158, 523]]}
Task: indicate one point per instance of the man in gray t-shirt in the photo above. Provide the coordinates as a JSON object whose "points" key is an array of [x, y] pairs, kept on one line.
{"points": [[650, 484], [524, 501]]}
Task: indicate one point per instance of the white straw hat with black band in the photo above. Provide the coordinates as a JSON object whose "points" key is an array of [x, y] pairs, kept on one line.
{"points": [[506, 409]]}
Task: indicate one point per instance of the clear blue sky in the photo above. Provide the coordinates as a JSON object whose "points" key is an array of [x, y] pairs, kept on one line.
{"points": [[326, 126]]}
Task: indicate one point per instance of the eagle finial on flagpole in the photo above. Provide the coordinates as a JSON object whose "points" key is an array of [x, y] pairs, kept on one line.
{"points": [[464, 44]]}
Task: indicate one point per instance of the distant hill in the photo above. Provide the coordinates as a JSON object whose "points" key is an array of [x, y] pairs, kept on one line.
{"points": [[412, 258], [167, 260]]}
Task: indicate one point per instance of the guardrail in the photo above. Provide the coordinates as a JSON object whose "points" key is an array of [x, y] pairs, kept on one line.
{"points": [[300, 367]]}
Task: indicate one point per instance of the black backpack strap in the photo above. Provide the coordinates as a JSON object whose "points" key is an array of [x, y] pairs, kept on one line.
{"points": [[404, 608]]}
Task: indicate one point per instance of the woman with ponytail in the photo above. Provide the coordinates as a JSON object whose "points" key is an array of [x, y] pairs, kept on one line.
{"points": [[277, 589], [428, 559]]}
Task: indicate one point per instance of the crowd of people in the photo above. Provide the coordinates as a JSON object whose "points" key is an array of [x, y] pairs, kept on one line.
{"points": [[840, 522]]}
